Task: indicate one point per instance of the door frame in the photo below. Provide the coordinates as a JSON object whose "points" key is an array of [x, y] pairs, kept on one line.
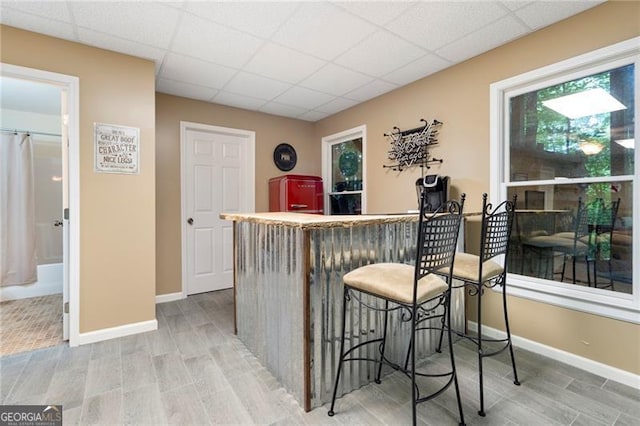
{"points": [[250, 186], [71, 84]]}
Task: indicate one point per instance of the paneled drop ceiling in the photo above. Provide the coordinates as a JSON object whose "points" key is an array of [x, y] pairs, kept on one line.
{"points": [[305, 60]]}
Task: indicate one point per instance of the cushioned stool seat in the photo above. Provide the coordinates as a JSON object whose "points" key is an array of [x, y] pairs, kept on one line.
{"points": [[467, 267], [394, 281]]}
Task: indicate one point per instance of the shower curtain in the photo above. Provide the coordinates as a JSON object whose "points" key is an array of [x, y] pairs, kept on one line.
{"points": [[18, 262]]}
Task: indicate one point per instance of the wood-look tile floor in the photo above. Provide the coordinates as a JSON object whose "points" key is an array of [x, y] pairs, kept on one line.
{"points": [[29, 324], [194, 371]]}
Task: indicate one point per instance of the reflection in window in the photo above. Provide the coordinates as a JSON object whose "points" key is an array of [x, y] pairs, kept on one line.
{"points": [[550, 138], [345, 194], [571, 164], [574, 233]]}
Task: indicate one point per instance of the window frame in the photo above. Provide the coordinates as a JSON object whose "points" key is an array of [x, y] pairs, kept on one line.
{"points": [[625, 307], [336, 138]]}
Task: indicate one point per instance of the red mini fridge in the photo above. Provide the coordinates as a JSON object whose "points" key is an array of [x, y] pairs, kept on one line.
{"points": [[296, 193]]}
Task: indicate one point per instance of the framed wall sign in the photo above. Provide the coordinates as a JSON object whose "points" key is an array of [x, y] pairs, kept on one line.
{"points": [[117, 149], [285, 157]]}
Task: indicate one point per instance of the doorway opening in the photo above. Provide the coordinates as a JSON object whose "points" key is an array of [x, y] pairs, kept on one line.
{"points": [[40, 277]]}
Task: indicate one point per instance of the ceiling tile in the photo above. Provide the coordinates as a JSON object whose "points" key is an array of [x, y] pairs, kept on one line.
{"points": [[417, 69], [261, 19], [280, 109], [335, 80], [434, 24], [540, 14], [50, 10], [313, 115], [37, 24], [128, 47], [206, 40], [238, 101], [316, 57], [303, 98], [322, 30], [515, 5], [256, 86], [179, 88], [282, 63], [485, 39], [336, 105], [370, 90], [380, 54], [196, 71], [377, 12], [144, 22]]}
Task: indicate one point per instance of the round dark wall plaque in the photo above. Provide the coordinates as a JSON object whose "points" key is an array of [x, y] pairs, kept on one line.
{"points": [[285, 157]]}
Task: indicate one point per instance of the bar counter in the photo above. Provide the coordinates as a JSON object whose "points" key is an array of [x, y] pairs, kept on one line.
{"points": [[288, 270]]}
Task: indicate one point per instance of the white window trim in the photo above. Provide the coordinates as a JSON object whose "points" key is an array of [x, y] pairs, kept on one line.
{"points": [[344, 136], [625, 307]]}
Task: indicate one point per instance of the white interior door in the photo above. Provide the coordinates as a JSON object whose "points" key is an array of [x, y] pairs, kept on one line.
{"points": [[216, 177]]}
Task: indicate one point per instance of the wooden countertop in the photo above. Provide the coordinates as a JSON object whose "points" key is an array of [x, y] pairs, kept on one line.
{"points": [[310, 221]]}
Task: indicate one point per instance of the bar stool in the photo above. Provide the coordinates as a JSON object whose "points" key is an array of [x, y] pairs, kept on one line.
{"points": [[416, 292], [487, 271]]}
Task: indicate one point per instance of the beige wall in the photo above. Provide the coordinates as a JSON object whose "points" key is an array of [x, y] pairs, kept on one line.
{"points": [[459, 97], [270, 131], [117, 212]]}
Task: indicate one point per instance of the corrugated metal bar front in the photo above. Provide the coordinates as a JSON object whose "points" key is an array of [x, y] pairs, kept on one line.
{"points": [[270, 284], [269, 299]]}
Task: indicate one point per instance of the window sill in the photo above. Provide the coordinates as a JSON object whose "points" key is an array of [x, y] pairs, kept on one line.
{"points": [[619, 306]]}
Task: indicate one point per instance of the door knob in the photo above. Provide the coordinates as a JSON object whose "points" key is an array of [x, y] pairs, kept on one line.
{"points": [[190, 221], [58, 223]]}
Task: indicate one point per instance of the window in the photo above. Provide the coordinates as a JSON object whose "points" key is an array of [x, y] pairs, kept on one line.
{"points": [[343, 171], [563, 141]]}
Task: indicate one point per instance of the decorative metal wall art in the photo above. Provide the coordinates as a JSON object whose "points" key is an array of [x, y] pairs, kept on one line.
{"points": [[410, 148]]}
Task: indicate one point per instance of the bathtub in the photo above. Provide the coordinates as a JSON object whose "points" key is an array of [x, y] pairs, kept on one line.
{"points": [[49, 282]]}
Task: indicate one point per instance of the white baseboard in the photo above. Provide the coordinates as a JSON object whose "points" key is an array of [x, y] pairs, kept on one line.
{"points": [[16, 292], [169, 297], [114, 332], [583, 363], [49, 282]]}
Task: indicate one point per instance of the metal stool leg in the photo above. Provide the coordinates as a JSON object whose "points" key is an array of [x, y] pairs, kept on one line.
{"points": [[384, 340], [453, 361], [438, 348], [480, 354], [412, 355], [506, 325], [446, 312], [335, 385]]}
